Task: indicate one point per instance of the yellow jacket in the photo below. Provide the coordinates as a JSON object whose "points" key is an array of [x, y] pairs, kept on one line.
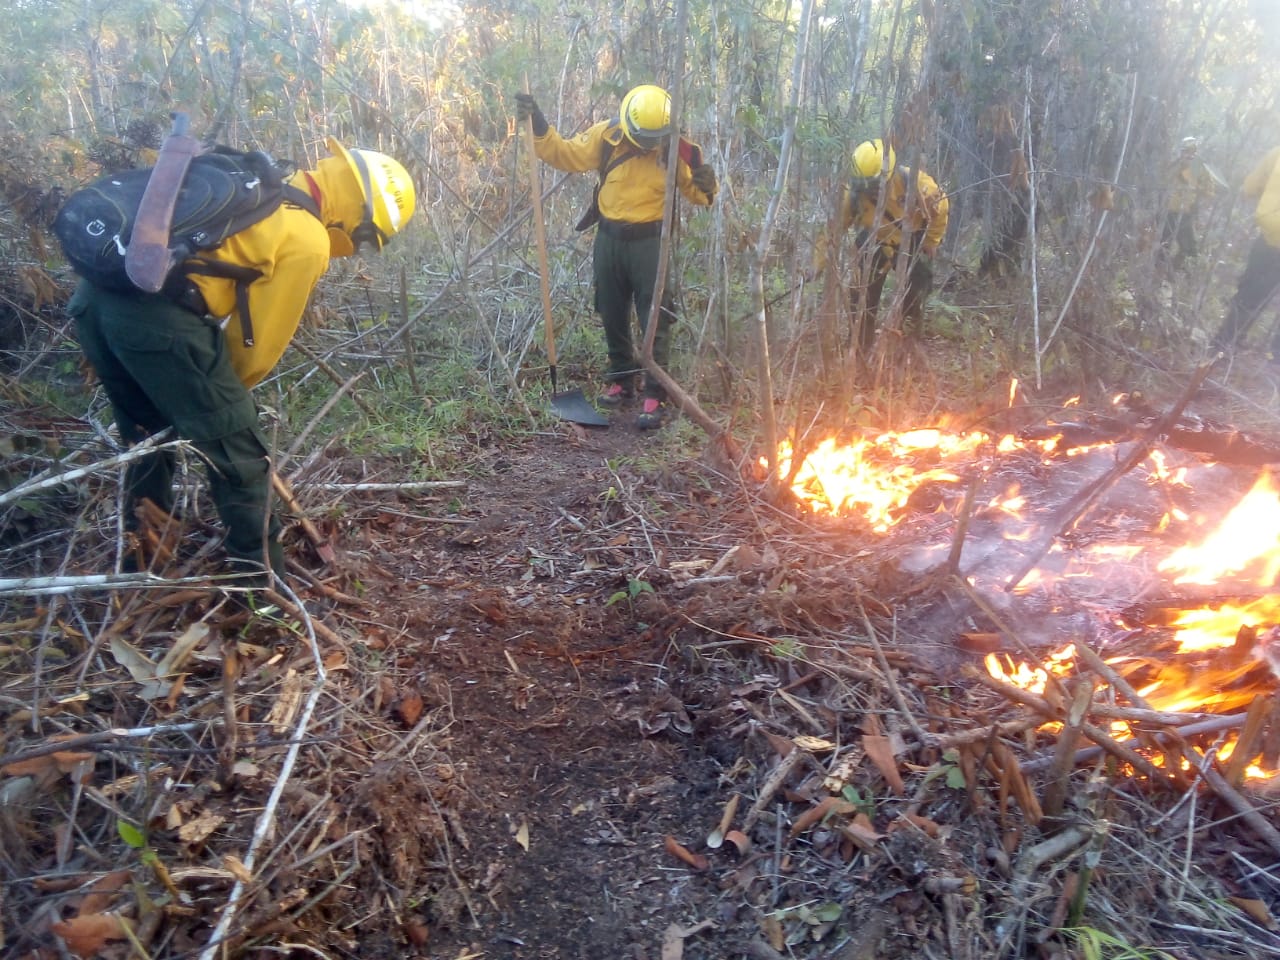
{"points": [[292, 249], [930, 209], [1190, 181], [1264, 183], [633, 190]]}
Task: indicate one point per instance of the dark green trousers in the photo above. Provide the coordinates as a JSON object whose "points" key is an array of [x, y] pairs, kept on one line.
{"points": [[1257, 286], [625, 270], [866, 303], [163, 366]]}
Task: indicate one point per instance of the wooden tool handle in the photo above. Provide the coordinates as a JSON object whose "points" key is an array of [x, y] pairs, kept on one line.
{"points": [[540, 232]]}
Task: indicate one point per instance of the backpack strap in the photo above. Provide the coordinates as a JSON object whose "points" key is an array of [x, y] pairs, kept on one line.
{"points": [[302, 198], [242, 276], [610, 157], [609, 152]]}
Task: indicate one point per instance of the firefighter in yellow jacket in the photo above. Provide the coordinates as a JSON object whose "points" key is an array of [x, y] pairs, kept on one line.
{"points": [[185, 363], [1261, 277], [1190, 181], [630, 156], [893, 208]]}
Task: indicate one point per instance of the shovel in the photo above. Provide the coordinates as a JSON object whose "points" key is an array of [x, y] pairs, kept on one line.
{"points": [[570, 405]]}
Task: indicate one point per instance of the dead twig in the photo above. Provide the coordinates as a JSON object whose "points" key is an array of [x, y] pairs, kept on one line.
{"points": [[324, 549], [266, 822], [137, 452]]}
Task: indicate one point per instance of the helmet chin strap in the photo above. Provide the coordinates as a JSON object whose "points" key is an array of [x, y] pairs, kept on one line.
{"points": [[367, 231]]}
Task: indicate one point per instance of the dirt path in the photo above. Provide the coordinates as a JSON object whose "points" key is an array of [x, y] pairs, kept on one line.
{"points": [[538, 638]]}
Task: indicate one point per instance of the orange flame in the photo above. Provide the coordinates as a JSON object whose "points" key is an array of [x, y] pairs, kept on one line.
{"points": [[1245, 544]]}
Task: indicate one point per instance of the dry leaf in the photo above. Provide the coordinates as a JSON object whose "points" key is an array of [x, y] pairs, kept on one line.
{"points": [[813, 744], [280, 717], [103, 891], [695, 860], [674, 936], [522, 835], [385, 693], [236, 867], [740, 841], [196, 831], [417, 932], [1257, 910], [842, 771], [726, 817], [63, 761], [86, 935], [818, 812], [178, 655], [773, 931], [673, 943], [409, 709], [930, 827], [860, 831], [881, 753], [781, 745]]}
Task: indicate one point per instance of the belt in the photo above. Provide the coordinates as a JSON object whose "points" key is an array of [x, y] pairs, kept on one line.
{"points": [[185, 294], [622, 230]]}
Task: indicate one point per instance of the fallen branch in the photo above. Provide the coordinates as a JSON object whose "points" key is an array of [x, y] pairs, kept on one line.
{"points": [[1260, 825], [92, 739], [51, 586], [1096, 734], [324, 549], [1087, 754], [136, 452], [408, 485]]}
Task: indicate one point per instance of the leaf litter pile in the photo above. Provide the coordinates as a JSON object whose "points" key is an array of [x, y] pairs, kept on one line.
{"points": [[585, 705]]}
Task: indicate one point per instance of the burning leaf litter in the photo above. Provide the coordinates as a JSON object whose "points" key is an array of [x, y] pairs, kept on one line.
{"points": [[1171, 530]]}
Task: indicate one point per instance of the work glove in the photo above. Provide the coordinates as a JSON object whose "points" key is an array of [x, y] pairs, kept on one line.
{"points": [[527, 107], [704, 178]]}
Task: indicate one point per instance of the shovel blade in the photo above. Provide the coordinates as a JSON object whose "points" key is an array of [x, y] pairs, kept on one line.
{"points": [[576, 408]]}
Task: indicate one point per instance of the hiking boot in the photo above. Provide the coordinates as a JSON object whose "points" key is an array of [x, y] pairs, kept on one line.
{"points": [[653, 415], [615, 395]]}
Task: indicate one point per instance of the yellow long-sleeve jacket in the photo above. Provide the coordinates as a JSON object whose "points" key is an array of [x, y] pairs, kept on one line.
{"points": [[1190, 181], [1264, 183], [930, 210], [292, 249], [633, 190]]}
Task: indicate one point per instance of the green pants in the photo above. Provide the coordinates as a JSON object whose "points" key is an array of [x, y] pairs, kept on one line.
{"points": [[919, 283], [163, 366], [625, 269]]}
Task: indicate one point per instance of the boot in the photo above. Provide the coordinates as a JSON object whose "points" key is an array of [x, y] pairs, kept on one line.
{"points": [[652, 415], [616, 394]]}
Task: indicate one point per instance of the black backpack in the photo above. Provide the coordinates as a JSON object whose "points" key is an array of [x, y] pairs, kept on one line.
{"points": [[224, 192]]}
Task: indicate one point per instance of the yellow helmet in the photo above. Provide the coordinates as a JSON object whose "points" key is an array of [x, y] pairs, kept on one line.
{"points": [[646, 116], [869, 160], [387, 190]]}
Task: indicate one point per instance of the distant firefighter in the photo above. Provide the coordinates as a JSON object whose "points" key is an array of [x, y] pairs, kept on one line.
{"points": [[884, 229], [1190, 181], [1261, 277]]}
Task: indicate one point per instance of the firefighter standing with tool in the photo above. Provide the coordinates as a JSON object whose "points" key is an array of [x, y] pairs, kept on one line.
{"points": [[630, 155], [892, 206]]}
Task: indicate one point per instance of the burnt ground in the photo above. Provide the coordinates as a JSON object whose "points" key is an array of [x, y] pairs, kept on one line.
{"points": [[531, 699]]}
